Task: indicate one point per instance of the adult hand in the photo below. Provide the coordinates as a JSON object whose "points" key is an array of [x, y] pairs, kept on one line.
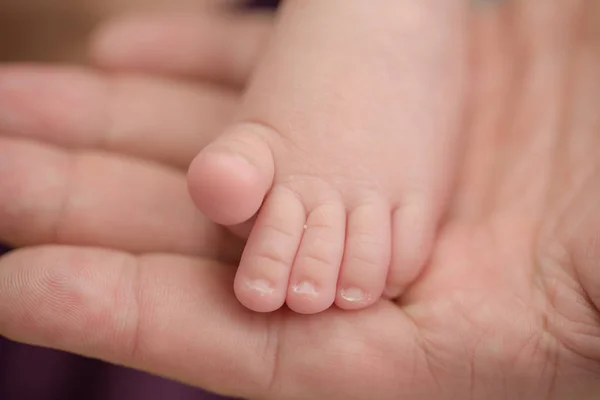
{"points": [[92, 158], [506, 309]]}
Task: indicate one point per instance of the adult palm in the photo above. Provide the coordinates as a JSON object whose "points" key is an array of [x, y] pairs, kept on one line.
{"points": [[506, 308]]}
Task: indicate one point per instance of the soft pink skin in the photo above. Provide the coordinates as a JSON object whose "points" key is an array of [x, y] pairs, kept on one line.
{"points": [[507, 308], [347, 143]]}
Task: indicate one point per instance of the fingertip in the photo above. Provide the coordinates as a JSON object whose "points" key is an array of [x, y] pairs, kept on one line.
{"points": [[126, 41], [214, 45]]}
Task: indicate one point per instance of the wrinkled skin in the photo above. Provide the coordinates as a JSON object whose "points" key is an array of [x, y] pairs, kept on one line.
{"points": [[507, 308]]}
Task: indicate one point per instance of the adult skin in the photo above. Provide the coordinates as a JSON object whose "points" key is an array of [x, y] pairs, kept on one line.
{"points": [[507, 307]]}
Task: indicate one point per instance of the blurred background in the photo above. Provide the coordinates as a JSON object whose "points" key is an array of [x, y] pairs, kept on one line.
{"points": [[57, 30]]}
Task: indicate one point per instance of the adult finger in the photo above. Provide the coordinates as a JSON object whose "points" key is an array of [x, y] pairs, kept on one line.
{"points": [[177, 317], [164, 120], [215, 46], [218, 341], [50, 195]]}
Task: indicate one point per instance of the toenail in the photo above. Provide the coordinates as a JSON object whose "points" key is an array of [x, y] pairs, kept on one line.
{"points": [[305, 288], [261, 286], [353, 295]]}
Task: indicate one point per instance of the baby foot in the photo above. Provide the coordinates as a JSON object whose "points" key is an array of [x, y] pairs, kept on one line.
{"points": [[344, 150]]}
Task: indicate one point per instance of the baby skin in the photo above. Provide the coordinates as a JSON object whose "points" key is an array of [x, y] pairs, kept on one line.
{"points": [[343, 154]]}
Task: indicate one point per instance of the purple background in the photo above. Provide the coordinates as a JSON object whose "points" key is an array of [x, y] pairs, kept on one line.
{"points": [[31, 373]]}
